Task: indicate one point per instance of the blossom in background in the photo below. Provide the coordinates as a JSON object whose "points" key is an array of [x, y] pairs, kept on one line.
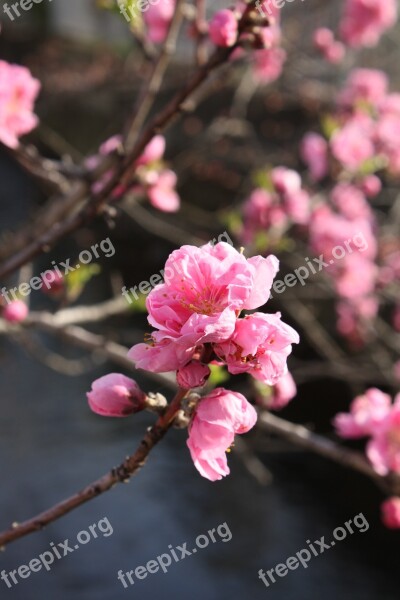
{"points": [[332, 50], [374, 415], [273, 210], [154, 181], [115, 395], [223, 28], [15, 312], [18, 92], [218, 418], [364, 21], [390, 511], [314, 153], [366, 413], [157, 18]]}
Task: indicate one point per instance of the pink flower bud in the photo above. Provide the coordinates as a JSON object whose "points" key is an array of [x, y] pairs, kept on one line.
{"points": [[192, 375], [15, 312], [115, 395], [285, 181], [371, 186], [224, 28], [154, 151], [322, 38], [390, 511]]}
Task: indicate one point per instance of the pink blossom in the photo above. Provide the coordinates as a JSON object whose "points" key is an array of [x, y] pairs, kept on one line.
{"points": [[351, 202], [364, 85], [162, 194], [356, 277], [268, 64], [367, 413], [285, 181], [297, 207], [351, 146], [390, 512], [283, 392], [364, 21], [110, 145], [332, 50], [323, 37], [192, 375], [153, 152], [371, 185], [223, 28], [259, 346], [314, 152], [329, 230], [383, 450], [197, 304], [157, 18], [261, 211], [115, 395], [18, 92], [218, 417], [15, 312]]}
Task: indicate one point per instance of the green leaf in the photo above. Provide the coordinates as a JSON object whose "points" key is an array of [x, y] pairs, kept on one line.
{"points": [[218, 375]]}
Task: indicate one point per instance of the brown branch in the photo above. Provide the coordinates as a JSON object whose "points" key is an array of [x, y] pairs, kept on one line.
{"points": [[131, 465], [154, 83], [303, 437], [123, 171]]}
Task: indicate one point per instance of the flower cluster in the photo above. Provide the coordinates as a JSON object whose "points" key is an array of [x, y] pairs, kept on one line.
{"points": [[152, 178], [363, 132], [362, 24], [373, 415], [196, 311], [197, 316], [272, 209], [18, 92]]}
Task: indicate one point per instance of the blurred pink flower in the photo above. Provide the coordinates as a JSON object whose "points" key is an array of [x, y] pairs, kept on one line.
{"points": [[367, 413], [283, 392], [157, 18], [223, 28], [390, 512], [162, 194], [18, 92], [15, 312], [364, 21], [314, 152]]}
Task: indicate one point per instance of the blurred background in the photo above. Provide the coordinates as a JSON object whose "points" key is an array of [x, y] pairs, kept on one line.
{"points": [[52, 445]]}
